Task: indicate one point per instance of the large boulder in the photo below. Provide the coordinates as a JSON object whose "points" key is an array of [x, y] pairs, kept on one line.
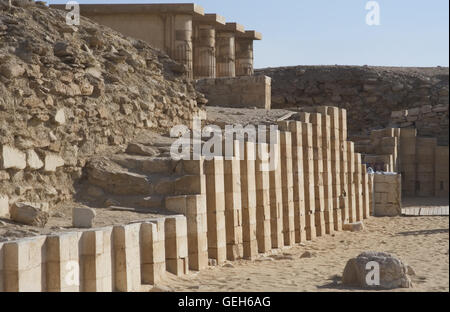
{"points": [[393, 273]]}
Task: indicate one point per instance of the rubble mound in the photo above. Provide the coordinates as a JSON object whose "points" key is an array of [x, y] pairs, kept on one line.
{"points": [[70, 92]]}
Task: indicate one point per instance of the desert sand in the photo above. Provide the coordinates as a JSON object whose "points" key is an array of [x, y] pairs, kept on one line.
{"points": [[421, 242]]}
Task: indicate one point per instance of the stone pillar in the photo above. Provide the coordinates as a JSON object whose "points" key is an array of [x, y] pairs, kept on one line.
{"points": [[24, 265], [225, 43], [358, 188], [335, 147], [300, 211], [97, 260], [153, 252], [179, 40], [215, 201], [244, 57], [204, 51], [344, 196], [244, 52], [327, 171], [63, 266], [248, 197], [233, 208], [276, 195], [308, 175], [226, 49], [351, 194], [287, 182], [366, 193], [316, 120], [263, 233], [127, 250], [194, 208], [176, 245]]}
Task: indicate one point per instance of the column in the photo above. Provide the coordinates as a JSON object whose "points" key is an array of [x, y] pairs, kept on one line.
{"points": [[226, 49], [244, 52]]}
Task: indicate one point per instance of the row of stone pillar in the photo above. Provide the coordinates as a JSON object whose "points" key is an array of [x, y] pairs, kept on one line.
{"points": [[221, 49]]}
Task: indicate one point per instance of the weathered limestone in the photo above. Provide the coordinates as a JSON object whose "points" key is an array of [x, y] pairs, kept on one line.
{"points": [[63, 266], [24, 265], [244, 52], [343, 155], [52, 162], [233, 208], [309, 179], [226, 49], [248, 197], [205, 45], [12, 158], [351, 182], [83, 217], [153, 251], [238, 92], [165, 26], [215, 199], [30, 213], [358, 188], [316, 120], [194, 208], [287, 183], [127, 266], [335, 147], [327, 171], [298, 159], [366, 192], [425, 155], [408, 160], [97, 260], [33, 160], [441, 172], [176, 245], [276, 194], [388, 194], [263, 229], [4, 206]]}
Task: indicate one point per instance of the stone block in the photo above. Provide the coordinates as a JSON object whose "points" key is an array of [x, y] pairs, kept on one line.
{"points": [[127, 266], [12, 158], [83, 217]]}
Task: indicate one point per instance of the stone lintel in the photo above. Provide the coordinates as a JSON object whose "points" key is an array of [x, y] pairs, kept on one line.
{"points": [[232, 27], [176, 8], [211, 19], [250, 34]]}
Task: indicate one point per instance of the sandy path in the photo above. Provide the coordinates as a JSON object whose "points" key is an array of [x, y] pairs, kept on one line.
{"points": [[422, 242]]}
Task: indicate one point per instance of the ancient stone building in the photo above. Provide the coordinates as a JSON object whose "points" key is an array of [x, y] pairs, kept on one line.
{"points": [[207, 45]]}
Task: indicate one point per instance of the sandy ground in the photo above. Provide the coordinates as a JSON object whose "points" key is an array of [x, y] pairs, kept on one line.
{"points": [[421, 242]]}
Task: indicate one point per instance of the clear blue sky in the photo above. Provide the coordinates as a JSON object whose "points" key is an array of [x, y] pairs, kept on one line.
{"points": [[328, 32]]}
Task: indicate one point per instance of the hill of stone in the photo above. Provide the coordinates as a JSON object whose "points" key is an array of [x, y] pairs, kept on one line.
{"points": [[369, 93], [67, 93]]}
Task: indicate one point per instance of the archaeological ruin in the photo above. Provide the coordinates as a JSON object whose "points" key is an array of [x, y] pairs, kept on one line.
{"points": [[87, 177]]}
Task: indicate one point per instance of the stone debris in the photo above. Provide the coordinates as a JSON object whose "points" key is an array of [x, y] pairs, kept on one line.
{"points": [[30, 213], [393, 272], [83, 217], [353, 227]]}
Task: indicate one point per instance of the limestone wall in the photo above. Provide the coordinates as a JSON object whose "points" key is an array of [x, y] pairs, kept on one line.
{"points": [[239, 92], [369, 94]]}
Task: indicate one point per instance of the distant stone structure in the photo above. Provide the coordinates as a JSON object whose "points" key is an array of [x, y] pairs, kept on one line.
{"points": [[207, 45]]}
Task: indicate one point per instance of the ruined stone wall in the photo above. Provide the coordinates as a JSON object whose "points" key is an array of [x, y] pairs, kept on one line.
{"points": [[429, 121], [369, 94], [233, 206], [239, 92], [68, 93]]}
